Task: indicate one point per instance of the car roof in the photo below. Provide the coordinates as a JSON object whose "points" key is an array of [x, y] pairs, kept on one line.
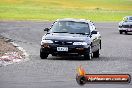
{"points": [[75, 20]]}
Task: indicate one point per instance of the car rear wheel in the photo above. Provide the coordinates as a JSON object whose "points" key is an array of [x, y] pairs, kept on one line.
{"points": [[96, 54], [43, 55], [88, 56]]}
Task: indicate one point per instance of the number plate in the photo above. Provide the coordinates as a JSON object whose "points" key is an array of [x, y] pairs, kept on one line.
{"points": [[62, 48]]}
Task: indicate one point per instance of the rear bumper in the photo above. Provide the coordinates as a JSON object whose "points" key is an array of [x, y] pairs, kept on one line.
{"points": [[72, 49]]}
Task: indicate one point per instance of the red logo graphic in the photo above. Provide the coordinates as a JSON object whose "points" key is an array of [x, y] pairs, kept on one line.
{"points": [[83, 78]]}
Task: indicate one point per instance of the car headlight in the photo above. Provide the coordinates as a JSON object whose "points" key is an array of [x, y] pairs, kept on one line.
{"points": [[46, 41], [80, 43], [120, 26]]}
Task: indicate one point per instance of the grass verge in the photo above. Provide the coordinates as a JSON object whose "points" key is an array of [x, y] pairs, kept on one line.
{"points": [[105, 10]]}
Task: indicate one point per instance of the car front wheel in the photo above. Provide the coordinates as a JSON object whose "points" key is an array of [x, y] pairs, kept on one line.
{"points": [[120, 31], [88, 55], [43, 55]]}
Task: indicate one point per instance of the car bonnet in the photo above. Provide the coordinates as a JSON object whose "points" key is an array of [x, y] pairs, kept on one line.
{"points": [[67, 37]]}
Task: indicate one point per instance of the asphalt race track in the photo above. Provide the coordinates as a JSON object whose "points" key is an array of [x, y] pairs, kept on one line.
{"points": [[60, 72]]}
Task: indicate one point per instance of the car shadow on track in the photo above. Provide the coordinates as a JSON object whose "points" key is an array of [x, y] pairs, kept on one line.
{"points": [[80, 58], [71, 58], [117, 33], [130, 33]]}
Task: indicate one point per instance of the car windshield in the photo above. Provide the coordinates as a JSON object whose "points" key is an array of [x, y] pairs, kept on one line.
{"points": [[130, 19], [70, 27]]}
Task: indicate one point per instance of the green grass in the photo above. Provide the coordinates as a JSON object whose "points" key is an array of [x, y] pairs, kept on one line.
{"points": [[95, 10]]}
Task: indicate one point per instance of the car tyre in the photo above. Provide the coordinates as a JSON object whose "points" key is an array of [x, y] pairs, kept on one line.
{"points": [[43, 55], [120, 31], [88, 56], [96, 54]]}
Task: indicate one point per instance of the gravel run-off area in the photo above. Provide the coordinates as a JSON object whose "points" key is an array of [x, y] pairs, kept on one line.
{"points": [[9, 53]]}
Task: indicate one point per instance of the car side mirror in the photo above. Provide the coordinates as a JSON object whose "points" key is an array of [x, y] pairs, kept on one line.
{"points": [[46, 29], [94, 32]]}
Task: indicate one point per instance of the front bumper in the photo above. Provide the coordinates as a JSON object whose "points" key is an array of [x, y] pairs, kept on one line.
{"points": [[72, 49], [126, 29]]}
